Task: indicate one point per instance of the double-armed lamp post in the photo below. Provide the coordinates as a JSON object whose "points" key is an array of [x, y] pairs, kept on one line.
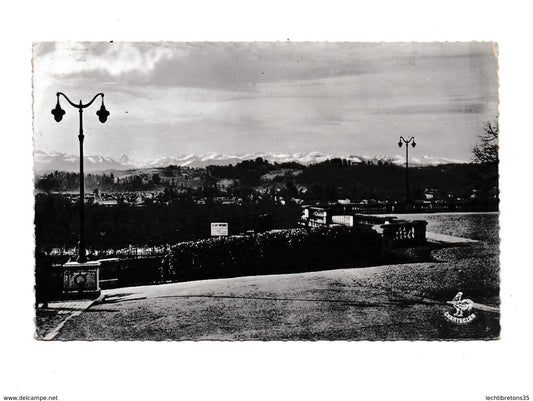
{"points": [[102, 114], [413, 144]]}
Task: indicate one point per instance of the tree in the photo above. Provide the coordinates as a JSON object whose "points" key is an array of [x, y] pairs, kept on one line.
{"points": [[487, 150], [485, 180], [290, 190]]}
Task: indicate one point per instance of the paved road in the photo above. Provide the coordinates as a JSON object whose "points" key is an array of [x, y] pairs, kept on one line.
{"points": [[450, 239]]}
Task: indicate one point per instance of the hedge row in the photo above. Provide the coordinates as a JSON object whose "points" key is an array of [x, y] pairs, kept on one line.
{"points": [[284, 251], [139, 271]]}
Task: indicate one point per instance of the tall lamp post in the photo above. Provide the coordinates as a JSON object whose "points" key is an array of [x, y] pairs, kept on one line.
{"points": [[102, 114], [413, 144]]}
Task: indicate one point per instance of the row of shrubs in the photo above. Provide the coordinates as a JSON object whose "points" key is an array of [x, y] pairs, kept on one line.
{"points": [[283, 251]]}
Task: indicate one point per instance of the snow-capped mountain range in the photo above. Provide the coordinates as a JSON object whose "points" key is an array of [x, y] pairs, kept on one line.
{"points": [[52, 161]]}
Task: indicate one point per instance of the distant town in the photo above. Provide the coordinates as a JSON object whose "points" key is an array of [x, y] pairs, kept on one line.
{"points": [[170, 204], [371, 187]]}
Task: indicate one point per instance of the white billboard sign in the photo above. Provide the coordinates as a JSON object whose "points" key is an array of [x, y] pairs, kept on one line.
{"points": [[219, 229]]}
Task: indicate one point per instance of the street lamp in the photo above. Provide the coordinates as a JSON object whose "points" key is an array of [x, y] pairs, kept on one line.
{"points": [[413, 144], [102, 114]]}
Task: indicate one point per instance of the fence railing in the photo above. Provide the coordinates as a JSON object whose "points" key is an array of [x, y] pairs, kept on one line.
{"points": [[404, 233], [130, 252], [395, 232]]}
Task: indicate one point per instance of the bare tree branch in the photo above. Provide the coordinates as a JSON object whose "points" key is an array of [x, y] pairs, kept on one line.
{"points": [[487, 150]]}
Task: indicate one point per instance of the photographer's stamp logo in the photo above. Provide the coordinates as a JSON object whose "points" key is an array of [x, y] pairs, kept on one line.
{"points": [[462, 313]]}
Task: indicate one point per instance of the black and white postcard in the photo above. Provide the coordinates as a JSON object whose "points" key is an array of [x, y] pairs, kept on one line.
{"points": [[246, 200], [266, 190]]}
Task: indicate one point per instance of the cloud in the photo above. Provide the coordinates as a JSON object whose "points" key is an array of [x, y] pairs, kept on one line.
{"points": [[267, 96], [113, 59], [241, 66]]}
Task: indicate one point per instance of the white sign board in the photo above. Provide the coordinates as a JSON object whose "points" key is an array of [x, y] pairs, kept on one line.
{"points": [[219, 229]]}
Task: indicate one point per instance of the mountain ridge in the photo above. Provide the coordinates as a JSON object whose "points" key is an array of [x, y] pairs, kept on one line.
{"points": [[51, 161]]}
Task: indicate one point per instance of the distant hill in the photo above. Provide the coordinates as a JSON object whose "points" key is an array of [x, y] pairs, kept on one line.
{"points": [[340, 179], [328, 180]]}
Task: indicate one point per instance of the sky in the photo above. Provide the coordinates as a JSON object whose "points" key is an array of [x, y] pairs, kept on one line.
{"points": [[171, 99]]}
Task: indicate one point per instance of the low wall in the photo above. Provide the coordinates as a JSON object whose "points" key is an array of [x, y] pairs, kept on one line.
{"points": [[404, 233]]}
